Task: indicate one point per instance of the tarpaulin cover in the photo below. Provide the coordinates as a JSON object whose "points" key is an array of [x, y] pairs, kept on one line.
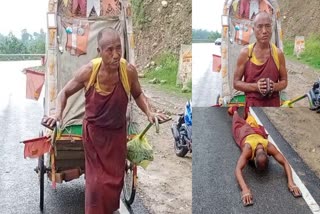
{"points": [[68, 64]]}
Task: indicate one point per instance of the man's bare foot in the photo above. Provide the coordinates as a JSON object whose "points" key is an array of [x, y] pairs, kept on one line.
{"points": [[232, 109]]}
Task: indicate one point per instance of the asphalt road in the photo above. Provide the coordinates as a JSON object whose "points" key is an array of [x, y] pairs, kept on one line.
{"points": [[19, 187], [215, 189]]}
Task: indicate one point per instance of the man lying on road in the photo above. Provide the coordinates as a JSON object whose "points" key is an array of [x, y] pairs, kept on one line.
{"points": [[255, 147]]}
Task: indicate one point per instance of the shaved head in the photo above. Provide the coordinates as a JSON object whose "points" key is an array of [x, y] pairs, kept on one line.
{"points": [[261, 161], [109, 32], [110, 48], [262, 15]]}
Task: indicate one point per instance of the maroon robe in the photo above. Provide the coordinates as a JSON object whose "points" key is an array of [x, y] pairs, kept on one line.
{"points": [[241, 129], [252, 73], [104, 137]]}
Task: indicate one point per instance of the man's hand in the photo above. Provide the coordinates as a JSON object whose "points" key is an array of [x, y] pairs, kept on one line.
{"points": [[246, 197], [161, 117], [262, 86], [294, 190], [271, 87], [50, 122]]}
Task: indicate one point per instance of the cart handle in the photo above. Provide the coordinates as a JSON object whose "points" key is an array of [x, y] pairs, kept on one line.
{"points": [[156, 122], [55, 132]]}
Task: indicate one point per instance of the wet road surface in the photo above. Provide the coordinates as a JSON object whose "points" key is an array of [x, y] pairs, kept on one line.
{"points": [[206, 84]]}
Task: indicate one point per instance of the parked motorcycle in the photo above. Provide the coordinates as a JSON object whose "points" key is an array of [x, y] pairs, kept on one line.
{"points": [[181, 131], [314, 97]]}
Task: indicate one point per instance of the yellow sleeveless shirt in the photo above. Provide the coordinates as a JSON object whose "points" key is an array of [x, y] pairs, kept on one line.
{"points": [[254, 139], [94, 76], [274, 54]]}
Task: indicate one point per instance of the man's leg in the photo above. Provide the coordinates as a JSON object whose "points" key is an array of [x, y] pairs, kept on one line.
{"points": [[237, 124]]}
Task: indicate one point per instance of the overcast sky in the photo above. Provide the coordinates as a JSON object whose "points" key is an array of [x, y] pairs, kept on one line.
{"points": [[16, 15], [206, 14]]}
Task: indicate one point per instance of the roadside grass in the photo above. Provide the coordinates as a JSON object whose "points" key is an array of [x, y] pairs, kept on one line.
{"points": [[166, 68], [138, 12], [311, 54]]}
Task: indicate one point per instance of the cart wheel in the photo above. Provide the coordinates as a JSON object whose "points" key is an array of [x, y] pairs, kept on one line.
{"points": [[129, 188], [218, 100], [41, 179], [41, 171]]}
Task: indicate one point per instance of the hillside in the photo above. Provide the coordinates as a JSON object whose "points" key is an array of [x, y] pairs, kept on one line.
{"points": [[301, 17], [162, 26]]}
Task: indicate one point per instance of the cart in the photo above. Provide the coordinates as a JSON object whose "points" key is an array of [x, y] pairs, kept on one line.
{"points": [[66, 161], [72, 29]]}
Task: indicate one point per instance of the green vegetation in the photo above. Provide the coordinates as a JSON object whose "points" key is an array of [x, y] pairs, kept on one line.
{"points": [[166, 68], [28, 44], [138, 12], [311, 54], [204, 36], [288, 47]]}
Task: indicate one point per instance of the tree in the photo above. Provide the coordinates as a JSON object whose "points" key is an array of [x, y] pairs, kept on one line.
{"points": [[12, 45], [214, 35], [38, 45], [33, 44], [25, 36], [204, 35]]}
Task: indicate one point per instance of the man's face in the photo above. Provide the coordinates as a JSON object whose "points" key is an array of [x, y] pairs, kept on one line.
{"points": [[110, 50], [263, 29]]}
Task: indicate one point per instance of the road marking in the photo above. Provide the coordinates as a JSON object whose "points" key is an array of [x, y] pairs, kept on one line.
{"points": [[123, 209], [314, 207]]}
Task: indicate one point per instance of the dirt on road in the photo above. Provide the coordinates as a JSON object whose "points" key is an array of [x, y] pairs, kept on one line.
{"points": [[300, 80], [166, 185], [300, 128]]}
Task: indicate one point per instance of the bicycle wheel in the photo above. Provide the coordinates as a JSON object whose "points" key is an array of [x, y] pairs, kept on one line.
{"points": [[129, 187]]}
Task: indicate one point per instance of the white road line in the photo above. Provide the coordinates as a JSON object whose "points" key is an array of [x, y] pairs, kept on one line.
{"points": [[123, 209], [314, 207]]}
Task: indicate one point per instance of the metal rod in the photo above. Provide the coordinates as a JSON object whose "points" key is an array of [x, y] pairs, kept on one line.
{"points": [[156, 122], [297, 99], [145, 130]]}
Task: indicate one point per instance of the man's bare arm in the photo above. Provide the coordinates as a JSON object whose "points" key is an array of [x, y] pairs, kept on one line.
{"points": [[272, 150], [136, 90], [238, 84], [78, 82], [139, 96], [283, 79], [242, 162]]}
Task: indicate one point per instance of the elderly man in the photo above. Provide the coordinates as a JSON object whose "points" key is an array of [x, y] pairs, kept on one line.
{"points": [[261, 69], [255, 147], [107, 81]]}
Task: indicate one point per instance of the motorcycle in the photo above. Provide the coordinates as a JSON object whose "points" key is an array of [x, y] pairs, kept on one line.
{"points": [[314, 97], [182, 131]]}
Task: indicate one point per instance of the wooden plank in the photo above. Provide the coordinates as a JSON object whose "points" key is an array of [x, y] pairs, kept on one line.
{"points": [[69, 155], [67, 175], [66, 145], [69, 164]]}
